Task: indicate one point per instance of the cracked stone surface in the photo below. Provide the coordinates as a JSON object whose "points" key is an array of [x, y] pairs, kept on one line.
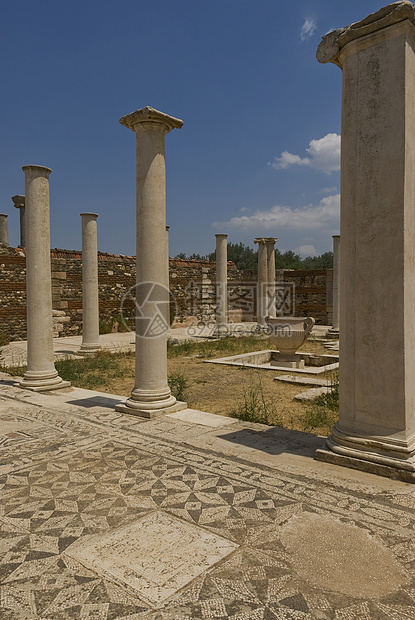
{"points": [[105, 516]]}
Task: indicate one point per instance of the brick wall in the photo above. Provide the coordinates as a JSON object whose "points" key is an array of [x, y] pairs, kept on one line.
{"points": [[192, 284]]}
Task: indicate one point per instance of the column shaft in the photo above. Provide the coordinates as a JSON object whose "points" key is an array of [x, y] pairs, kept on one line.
{"points": [[4, 230], [262, 281], [336, 281], [41, 373], [90, 305], [221, 282], [376, 427], [19, 203], [272, 303]]}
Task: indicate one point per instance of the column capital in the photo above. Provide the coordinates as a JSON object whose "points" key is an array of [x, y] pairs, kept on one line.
{"points": [[265, 240], [18, 201], [332, 43], [150, 115], [221, 235], [41, 170], [336, 236], [90, 214]]}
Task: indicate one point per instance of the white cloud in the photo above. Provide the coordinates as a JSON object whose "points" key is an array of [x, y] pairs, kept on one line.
{"points": [[321, 217], [306, 250], [323, 154], [308, 29]]}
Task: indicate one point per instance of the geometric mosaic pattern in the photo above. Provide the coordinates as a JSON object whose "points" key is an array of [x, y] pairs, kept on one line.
{"points": [[66, 476]]}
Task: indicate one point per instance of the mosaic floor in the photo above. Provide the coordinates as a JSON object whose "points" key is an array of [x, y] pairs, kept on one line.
{"points": [[104, 516]]}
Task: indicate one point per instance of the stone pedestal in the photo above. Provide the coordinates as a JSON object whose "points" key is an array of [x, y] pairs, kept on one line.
{"points": [[4, 230], [90, 307], [376, 427], [334, 331], [19, 203], [41, 373], [151, 395], [221, 283]]}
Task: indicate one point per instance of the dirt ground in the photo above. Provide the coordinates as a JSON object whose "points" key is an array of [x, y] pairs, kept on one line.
{"points": [[222, 389]]}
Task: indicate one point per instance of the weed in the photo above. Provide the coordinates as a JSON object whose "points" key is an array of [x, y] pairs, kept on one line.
{"points": [[179, 384], [256, 407], [324, 411]]}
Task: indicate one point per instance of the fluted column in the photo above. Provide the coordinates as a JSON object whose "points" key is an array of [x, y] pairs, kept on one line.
{"points": [[221, 283], [151, 394], [4, 230], [90, 305], [262, 280], [19, 203], [376, 427], [41, 373], [272, 304]]}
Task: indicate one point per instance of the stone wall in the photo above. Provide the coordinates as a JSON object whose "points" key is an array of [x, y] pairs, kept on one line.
{"points": [[192, 283]]}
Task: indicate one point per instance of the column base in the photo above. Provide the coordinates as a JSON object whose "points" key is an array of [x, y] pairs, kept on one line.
{"points": [[89, 349], [149, 414], [376, 455], [42, 386]]}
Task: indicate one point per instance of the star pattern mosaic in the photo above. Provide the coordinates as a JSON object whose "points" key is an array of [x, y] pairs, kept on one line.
{"points": [[71, 475]]}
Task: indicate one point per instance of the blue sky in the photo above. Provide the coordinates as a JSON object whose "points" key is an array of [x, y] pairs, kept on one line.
{"points": [[258, 154]]}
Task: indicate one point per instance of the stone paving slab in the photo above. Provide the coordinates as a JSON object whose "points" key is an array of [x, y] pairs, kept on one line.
{"points": [[109, 516]]}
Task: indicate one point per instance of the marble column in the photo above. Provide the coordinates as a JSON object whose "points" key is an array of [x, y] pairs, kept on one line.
{"points": [[90, 306], [261, 295], [19, 203], [221, 283], [272, 304], [376, 427], [4, 230], [336, 282], [151, 395], [41, 373]]}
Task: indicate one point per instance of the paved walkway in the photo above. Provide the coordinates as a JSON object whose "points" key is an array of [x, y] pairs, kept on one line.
{"points": [[189, 516]]}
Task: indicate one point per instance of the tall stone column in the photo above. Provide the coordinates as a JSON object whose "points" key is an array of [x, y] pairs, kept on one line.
{"points": [[4, 230], [376, 427], [272, 304], [151, 394], [336, 282], [41, 373], [90, 306], [261, 295], [19, 203], [221, 283]]}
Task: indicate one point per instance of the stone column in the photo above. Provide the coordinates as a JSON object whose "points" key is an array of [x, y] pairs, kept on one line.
{"points": [[90, 306], [272, 304], [376, 427], [336, 283], [41, 373], [19, 203], [4, 230], [262, 281], [221, 283], [151, 394]]}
